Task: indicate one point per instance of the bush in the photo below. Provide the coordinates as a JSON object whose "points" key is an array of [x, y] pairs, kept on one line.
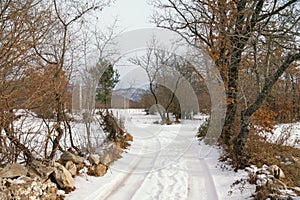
{"points": [[202, 131]]}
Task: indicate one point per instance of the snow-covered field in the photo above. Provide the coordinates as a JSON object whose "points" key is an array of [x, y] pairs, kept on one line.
{"points": [[33, 131], [163, 162]]}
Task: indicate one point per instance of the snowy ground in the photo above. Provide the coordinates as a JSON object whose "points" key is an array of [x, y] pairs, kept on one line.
{"points": [[285, 134], [34, 132], [163, 162]]}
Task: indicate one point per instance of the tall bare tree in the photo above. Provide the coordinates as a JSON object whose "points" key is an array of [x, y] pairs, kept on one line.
{"points": [[169, 76], [37, 54], [227, 30]]}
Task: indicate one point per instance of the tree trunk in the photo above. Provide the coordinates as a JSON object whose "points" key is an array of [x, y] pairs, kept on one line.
{"points": [[241, 139], [232, 89], [71, 137], [229, 124], [58, 129], [88, 132]]}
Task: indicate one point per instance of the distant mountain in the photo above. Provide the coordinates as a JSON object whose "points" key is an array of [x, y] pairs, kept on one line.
{"points": [[133, 94]]}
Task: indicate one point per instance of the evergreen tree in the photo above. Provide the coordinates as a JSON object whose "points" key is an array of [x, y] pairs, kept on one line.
{"points": [[107, 82]]}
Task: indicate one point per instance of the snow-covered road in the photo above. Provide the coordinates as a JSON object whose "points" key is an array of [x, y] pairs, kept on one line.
{"points": [[163, 162]]}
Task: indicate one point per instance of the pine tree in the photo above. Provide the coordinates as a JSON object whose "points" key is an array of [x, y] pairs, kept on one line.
{"points": [[107, 82]]}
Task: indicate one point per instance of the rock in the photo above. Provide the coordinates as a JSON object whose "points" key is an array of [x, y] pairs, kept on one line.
{"points": [[13, 170], [276, 172], [111, 154], [80, 167], [100, 170], [32, 173], [275, 185], [94, 159], [67, 156], [50, 190], [121, 144], [97, 170], [71, 167], [106, 158], [297, 189], [3, 196], [252, 169], [27, 188], [63, 177], [38, 169]]}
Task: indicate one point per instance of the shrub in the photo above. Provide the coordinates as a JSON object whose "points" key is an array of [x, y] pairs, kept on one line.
{"points": [[202, 131]]}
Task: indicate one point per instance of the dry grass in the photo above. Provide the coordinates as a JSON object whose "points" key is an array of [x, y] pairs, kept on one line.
{"points": [[260, 152]]}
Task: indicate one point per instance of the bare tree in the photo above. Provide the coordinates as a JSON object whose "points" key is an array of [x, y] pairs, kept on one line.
{"points": [[37, 56], [157, 63], [151, 63], [167, 73], [227, 29], [18, 61], [98, 57]]}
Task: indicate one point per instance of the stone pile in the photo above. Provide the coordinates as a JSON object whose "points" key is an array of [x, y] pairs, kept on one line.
{"points": [[270, 182], [43, 179], [22, 183]]}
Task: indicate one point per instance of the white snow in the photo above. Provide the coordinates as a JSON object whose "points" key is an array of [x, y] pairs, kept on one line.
{"points": [[33, 132], [163, 162], [284, 134], [19, 180]]}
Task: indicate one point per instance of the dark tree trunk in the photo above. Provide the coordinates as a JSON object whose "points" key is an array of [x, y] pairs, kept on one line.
{"points": [[229, 124], [232, 89], [71, 137], [241, 139], [237, 42]]}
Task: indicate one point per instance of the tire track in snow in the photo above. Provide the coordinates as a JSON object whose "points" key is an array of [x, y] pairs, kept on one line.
{"points": [[162, 158], [129, 184], [184, 175], [124, 168], [113, 186], [164, 184], [133, 180], [201, 184], [170, 181]]}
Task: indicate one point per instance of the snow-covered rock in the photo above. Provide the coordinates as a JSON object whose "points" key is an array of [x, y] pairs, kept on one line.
{"points": [[27, 188], [275, 185]]}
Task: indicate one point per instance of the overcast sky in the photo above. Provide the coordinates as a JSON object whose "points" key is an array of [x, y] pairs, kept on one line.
{"points": [[132, 14]]}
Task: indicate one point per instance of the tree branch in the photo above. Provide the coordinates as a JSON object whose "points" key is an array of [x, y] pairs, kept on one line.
{"points": [[269, 84], [274, 12]]}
